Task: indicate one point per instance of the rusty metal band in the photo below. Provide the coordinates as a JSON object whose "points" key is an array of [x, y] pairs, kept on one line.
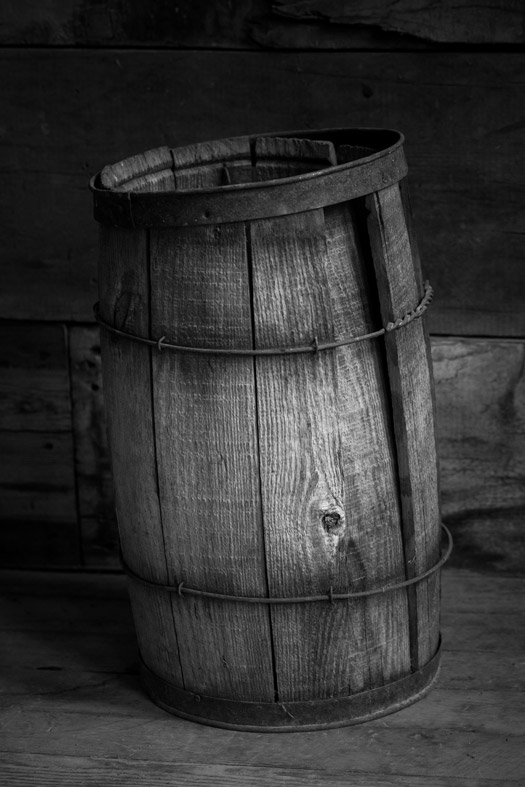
{"points": [[181, 590], [297, 716], [264, 199], [314, 347]]}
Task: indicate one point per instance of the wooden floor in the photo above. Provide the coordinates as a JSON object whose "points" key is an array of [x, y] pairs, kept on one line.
{"points": [[72, 711]]}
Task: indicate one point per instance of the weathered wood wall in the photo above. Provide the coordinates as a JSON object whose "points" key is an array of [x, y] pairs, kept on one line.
{"points": [[84, 84]]}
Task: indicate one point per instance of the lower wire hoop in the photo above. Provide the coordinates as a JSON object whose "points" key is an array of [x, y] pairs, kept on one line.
{"points": [[330, 596]]}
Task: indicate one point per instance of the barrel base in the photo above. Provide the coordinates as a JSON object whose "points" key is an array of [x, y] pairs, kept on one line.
{"points": [[303, 716]]}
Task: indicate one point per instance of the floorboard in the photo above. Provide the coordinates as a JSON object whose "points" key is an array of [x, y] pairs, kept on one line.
{"points": [[72, 711]]}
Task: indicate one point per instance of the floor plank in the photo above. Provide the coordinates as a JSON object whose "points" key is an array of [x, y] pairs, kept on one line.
{"points": [[72, 710], [120, 696], [372, 748], [72, 771]]}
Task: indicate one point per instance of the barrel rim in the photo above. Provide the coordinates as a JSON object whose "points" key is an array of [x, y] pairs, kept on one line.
{"points": [[273, 197], [317, 134]]}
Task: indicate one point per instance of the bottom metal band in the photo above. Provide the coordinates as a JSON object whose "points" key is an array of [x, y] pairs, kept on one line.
{"points": [[303, 716]]}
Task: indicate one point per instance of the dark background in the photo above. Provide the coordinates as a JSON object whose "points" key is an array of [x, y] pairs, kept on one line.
{"points": [[86, 83]]}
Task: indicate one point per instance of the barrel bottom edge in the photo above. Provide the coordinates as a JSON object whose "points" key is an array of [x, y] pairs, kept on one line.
{"points": [[298, 716]]}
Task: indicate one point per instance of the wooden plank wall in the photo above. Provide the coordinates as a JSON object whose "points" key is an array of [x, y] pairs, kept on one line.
{"points": [[85, 84]]}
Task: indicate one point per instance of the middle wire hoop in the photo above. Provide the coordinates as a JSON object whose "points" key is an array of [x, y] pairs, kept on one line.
{"points": [[314, 347]]}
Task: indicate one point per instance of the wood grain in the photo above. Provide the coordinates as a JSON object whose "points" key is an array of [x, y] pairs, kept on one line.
{"points": [[411, 390], [446, 746], [205, 425], [115, 652], [109, 644], [480, 394], [480, 415], [214, 164], [278, 32], [370, 754], [192, 23], [450, 21], [124, 302], [66, 721], [277, 157], [464, 591], [68, 614], [96, 497], [64, 771], [56, 651], [119, 695], [117, 175], [34, 386], [38, 506], [329, 495], [38, 499], [467, 189], [285, 24]]}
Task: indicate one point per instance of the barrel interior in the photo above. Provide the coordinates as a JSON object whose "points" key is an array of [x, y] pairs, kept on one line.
{"points": [[239, 160], [287, 476]]}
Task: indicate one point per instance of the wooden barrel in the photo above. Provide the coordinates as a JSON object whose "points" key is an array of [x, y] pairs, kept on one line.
{"points": [[272, 444]]}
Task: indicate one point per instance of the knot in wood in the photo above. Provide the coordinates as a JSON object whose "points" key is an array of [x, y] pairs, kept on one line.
{"points": [[332, 522]]}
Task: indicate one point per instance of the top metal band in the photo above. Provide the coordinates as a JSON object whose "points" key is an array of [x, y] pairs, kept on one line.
{"points": [[266, 199]]}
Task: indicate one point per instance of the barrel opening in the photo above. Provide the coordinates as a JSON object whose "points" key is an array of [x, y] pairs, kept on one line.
{"points": [[227, 163], [234, 161]]}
